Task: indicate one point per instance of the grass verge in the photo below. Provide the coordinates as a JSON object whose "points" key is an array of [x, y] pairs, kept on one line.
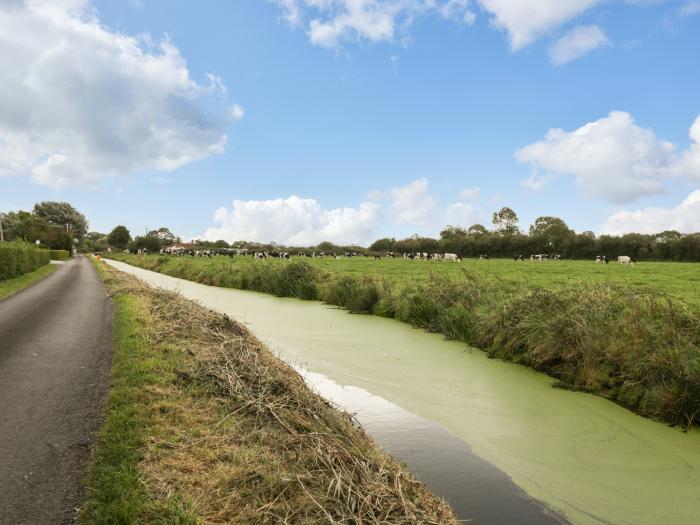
{"points": [[205, 425], [14, 285], [639, 347]]}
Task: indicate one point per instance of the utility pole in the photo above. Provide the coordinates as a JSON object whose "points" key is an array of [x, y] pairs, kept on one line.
{"points": [[2, 236]]}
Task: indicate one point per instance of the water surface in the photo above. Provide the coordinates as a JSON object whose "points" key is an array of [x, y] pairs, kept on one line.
{"points": [[583, 456]]}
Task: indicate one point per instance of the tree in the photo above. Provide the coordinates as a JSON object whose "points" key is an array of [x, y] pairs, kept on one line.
{"points": [[551, 234], [221, 244], [477, 230], [119, 237], [383, 245], [62, 214], [147, 242], [505, 221], [453, 232]]}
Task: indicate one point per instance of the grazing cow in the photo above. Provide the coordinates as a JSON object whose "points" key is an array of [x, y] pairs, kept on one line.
{"points": [[518, 258], [625, 259], [259, 256], [452, 257], [483, 257]]}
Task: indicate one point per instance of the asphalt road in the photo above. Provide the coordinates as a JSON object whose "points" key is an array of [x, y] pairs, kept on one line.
{"points": [[55, 357]]}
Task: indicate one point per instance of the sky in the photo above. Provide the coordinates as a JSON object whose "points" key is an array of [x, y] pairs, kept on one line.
{"points": [[300, 121]]}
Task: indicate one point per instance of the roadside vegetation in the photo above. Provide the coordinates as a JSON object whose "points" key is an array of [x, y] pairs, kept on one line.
{"points": [[12, 286], [18, 258], [204, 425], [607, 330]]}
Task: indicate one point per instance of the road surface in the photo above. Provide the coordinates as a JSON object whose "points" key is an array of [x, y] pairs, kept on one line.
{"points": [[55, 356]]}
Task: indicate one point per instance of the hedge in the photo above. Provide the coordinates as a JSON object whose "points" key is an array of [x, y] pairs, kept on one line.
{"points": [[17, 259], [59, 255]]}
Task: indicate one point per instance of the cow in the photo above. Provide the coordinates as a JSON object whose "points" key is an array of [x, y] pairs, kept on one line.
{"points": [[483, 257], [625, 259], [601, 259], [453, 257], [518, 258]]}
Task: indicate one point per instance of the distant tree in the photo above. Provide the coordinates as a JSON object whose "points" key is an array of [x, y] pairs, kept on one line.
{"points": [[119, 237], [383, 245], [327, 247], [146, 242], [221, 244], [550, 234], [668, 235], [477, 229], [505, 221], [453, 232], [62, 214]]}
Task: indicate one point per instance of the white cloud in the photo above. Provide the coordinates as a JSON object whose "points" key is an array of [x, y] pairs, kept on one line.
{"points": [[412, 204], [334, 21], [535, 181], [688, 164], [469, 193], [527, 20], [612, 158], [81, 102], [295, 221], [684, 218], [237, 112], [576, 43]]}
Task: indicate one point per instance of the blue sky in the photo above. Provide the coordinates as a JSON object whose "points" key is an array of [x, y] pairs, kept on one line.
{"points": [[383, 117]]}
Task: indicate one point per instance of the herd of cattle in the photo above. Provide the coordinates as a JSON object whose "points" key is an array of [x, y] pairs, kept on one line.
{"points": [[417, 256]]}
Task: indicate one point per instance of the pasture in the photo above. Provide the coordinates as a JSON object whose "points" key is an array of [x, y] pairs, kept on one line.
{"points": [[680, 280]]}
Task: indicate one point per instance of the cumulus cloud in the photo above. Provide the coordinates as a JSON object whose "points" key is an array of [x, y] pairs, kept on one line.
{"points": [[81, 102], [576, 43], [525, 21], [295, 221], [535, 181], [412, 203], [684, 218], [611, 158], [334, 21]]}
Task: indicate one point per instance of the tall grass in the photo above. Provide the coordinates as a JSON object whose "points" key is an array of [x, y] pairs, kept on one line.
{"points": [[640, 348]]}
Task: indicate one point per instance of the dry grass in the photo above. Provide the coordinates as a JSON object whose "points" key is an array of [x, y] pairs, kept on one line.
{"points": [[236, 436]]}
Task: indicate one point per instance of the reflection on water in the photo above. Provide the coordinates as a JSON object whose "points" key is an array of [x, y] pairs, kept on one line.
{"points": [[475, 489], [586, 457]]}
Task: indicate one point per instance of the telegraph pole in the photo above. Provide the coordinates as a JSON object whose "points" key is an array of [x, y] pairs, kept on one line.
{"points": [[2, 236]]}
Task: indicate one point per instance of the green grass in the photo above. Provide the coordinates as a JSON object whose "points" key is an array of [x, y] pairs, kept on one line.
{"points": [[680, 280], [14, 285], [115, 492], [630, 334]]}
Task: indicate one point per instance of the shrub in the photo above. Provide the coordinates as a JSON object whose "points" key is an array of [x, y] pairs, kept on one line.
{"points": [[17, 259], [59, 255], [358, 296]]}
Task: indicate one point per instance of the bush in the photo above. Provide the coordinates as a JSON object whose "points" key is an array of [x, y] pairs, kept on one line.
{"points": [[17, 259], [59, 255]]}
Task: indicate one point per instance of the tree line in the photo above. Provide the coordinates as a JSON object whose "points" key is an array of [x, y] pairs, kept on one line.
{"points": [[57, 225], [547, 235]]}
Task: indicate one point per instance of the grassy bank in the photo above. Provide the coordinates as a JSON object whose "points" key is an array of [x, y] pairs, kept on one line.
{"points": [[636, 345], [14, 285], [205, 425]]}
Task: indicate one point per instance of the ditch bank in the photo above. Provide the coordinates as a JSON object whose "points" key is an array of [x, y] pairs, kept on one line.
{"points": [[205, 425]]}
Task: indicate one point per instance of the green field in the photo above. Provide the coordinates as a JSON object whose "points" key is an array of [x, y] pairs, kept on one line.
{"points": [[681, 280]]}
